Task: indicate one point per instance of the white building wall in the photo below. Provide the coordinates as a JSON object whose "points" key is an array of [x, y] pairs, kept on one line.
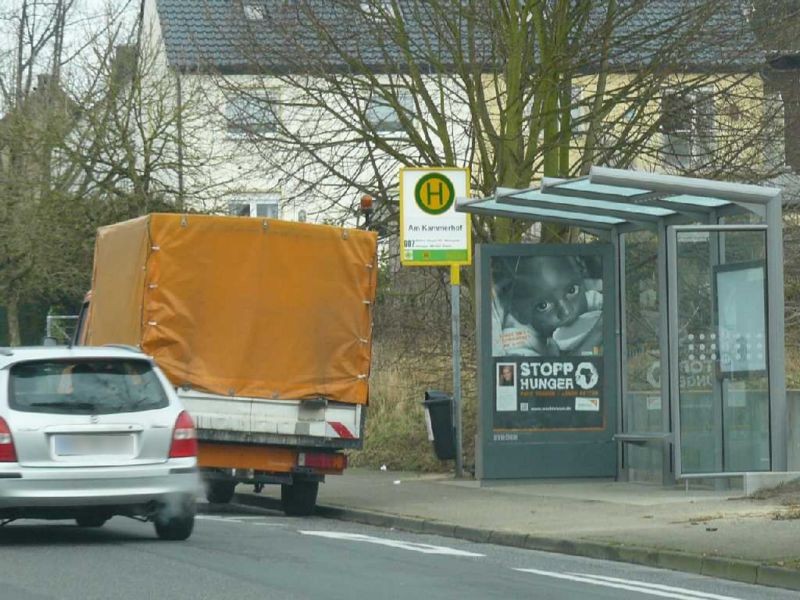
{"points": [[323, 180]]}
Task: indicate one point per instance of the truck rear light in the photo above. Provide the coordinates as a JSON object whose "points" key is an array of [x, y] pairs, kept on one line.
{"points": [[184, 437], [324, 461], [7, 451]]}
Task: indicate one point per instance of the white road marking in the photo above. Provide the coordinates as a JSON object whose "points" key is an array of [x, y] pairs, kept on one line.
{"points": [[238, 520], [652, 589], [414, 547], [658, 586]]}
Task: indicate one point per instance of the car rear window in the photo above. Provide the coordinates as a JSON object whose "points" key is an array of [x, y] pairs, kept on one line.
{"points": [[85, 387]]}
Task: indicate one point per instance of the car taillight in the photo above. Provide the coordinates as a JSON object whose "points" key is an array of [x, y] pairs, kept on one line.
{"points": [[7, 451], [184, 437]]}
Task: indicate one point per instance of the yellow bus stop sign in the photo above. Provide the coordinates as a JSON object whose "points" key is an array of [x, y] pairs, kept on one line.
{"points": [[432, 233]]}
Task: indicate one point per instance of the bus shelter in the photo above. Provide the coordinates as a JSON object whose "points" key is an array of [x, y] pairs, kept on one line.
{"points": [[682, 286]]}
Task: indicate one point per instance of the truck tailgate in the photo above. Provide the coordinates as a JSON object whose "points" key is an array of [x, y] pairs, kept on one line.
{"points": [[309, 423]]}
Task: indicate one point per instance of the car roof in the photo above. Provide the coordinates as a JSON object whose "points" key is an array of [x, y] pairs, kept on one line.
{"points": [[9, 356]]}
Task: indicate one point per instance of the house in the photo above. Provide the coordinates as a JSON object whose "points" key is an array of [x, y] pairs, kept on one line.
{"points": [[687, 94], [681, 83], [279, 143]]}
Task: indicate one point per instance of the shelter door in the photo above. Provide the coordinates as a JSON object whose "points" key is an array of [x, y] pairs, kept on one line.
{"points": [[719, 384]]}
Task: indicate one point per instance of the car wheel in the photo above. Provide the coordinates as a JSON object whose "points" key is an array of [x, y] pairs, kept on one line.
{"points": [[175, 521], [220, 492], [299, 498], [91, 520]]}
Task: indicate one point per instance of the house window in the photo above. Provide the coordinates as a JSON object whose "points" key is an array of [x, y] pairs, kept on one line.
{"points": [[687, 126], [383, 116], [255, 205], [253, 11], [251, 113], [579, 111], [377, 10]]}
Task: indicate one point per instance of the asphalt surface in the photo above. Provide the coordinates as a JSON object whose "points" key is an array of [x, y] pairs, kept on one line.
{"points": [[262, 554], [715, 533]]}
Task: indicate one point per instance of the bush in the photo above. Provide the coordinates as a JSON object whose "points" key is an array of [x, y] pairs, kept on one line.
{"points": [[395, 433]]}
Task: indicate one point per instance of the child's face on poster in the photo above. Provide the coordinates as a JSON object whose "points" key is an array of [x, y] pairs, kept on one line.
{"points": [[550, 293]]}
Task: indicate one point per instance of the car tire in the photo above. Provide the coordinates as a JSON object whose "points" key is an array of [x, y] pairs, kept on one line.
{"points": [[220, 492], [299, 498], [91, 520], [175, 522]]}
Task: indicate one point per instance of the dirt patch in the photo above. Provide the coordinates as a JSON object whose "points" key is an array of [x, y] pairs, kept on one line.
{"points": [[697, 520], [787, 494], [790, 514]]}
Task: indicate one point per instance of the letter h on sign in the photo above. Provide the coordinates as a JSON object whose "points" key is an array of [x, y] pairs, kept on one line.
{"points": [[437, 193]]}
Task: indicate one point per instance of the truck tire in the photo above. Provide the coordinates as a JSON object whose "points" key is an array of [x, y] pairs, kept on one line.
{"points": [[220, 492], [299, 498]]}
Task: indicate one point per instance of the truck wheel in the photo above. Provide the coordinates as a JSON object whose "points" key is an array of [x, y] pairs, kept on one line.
{"points": [[299, 498], [175, 520], [220, 492]]}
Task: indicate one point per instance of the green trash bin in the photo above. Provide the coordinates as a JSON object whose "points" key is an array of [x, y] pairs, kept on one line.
{"points": [[439, 418]]}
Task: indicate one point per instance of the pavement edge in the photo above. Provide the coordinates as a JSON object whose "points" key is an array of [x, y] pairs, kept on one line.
{"points": [[712, 566]]}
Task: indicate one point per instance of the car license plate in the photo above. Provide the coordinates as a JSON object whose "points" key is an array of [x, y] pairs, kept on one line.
{"points": [[93, 444]]}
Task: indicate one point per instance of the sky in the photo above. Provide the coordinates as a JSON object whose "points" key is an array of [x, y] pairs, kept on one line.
{"points": [[88, 32]]}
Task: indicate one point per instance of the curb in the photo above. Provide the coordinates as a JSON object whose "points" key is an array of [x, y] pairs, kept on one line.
{"points": [[712, 566]]}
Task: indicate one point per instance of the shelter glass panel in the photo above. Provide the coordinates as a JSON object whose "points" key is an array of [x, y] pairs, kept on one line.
{"points": [[591, 204], [642, 403], [722, 358], [534, 212], [700, 201], [598, 188]]}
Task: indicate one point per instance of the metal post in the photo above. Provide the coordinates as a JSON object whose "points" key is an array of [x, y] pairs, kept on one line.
{"points": [[716, 247], [668, 340], [618, 240], [455, 304], [776, 368]]}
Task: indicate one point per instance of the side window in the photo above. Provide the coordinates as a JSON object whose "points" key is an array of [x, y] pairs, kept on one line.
{"points": [[688, 127], [383, 116], [251, 113], [255, 205]]}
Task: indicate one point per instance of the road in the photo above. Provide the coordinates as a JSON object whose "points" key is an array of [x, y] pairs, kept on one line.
{"points": [[266, 555]]}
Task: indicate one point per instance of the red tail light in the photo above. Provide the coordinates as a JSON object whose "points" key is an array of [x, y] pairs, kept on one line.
{"points": [[7, 451], [184, 437], [322, 461]]}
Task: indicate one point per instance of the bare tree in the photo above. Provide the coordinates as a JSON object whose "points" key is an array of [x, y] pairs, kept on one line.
{"points": [[84, 140], [513, 89], [35, 116]]}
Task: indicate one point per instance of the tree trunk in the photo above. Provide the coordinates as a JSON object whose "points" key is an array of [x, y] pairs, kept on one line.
{"points": [[12, 320]]}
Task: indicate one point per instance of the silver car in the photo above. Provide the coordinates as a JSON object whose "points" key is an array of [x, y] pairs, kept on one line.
{"points": [[89, 433]]}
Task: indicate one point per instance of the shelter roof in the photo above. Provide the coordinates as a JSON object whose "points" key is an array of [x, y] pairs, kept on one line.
{"points": [[628, 200]]}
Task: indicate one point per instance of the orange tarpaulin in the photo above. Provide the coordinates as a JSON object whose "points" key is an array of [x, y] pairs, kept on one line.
{"points": [[240, 306]]}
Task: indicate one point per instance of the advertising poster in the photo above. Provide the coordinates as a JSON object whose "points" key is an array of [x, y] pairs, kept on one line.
{"points": [[547, 341]]}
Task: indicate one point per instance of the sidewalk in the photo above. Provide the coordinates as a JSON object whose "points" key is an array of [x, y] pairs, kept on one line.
{"points": [[721, 534]]}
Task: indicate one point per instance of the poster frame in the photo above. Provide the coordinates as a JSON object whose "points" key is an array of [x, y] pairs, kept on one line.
{"points": [[537, 453]]}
